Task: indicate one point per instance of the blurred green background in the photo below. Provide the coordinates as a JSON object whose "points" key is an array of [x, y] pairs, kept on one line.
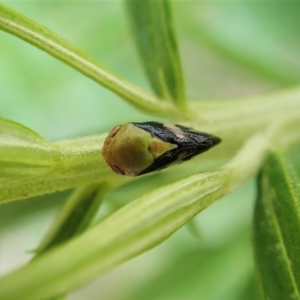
{"points": [[229, 49]]}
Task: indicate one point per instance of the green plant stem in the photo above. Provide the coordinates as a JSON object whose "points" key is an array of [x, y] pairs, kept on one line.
{"points": [[56, 46], [80, 161], [235, 120]]}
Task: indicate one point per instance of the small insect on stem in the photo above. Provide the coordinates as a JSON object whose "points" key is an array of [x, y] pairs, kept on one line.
{"points": [[135, 149]]}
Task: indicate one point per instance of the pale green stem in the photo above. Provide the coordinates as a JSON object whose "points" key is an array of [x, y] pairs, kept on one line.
{"points": [[80, 161], [54, 45]]}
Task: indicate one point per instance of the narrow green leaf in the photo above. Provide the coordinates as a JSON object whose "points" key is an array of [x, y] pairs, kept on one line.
{"points": [[152, 28], [132, 230], [56, 46], [23, 150], [277, 230], [76, 216], [30, 165]]}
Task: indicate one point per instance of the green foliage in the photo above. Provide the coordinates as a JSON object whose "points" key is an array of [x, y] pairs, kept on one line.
{"points": [[76, 250], [157, 45], [277, 229], [32, 166], [76, 215]]}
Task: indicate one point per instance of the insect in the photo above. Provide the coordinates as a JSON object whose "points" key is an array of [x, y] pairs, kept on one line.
{"points": [[135, 149]]}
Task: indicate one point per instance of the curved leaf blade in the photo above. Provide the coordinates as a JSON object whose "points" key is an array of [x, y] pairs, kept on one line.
{"points": [[277, 230], [151, 22], [22, 150]]}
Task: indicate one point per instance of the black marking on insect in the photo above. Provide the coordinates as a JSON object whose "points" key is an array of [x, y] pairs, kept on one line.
{"points": [[139, 148]]}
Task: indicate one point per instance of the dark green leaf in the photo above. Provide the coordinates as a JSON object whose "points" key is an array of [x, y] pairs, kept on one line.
{"points": [[151, 22], [277, 230], [76, 216]]}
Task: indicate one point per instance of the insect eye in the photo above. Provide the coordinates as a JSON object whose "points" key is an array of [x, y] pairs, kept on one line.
{"points": [[114, 131], [139, 148]]}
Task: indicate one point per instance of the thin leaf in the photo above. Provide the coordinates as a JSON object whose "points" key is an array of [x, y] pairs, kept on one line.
{"points": [[30, 165], [132, 230], [277, 230], [76, 216], [56, 46], [21, 146], [152, 28]]}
